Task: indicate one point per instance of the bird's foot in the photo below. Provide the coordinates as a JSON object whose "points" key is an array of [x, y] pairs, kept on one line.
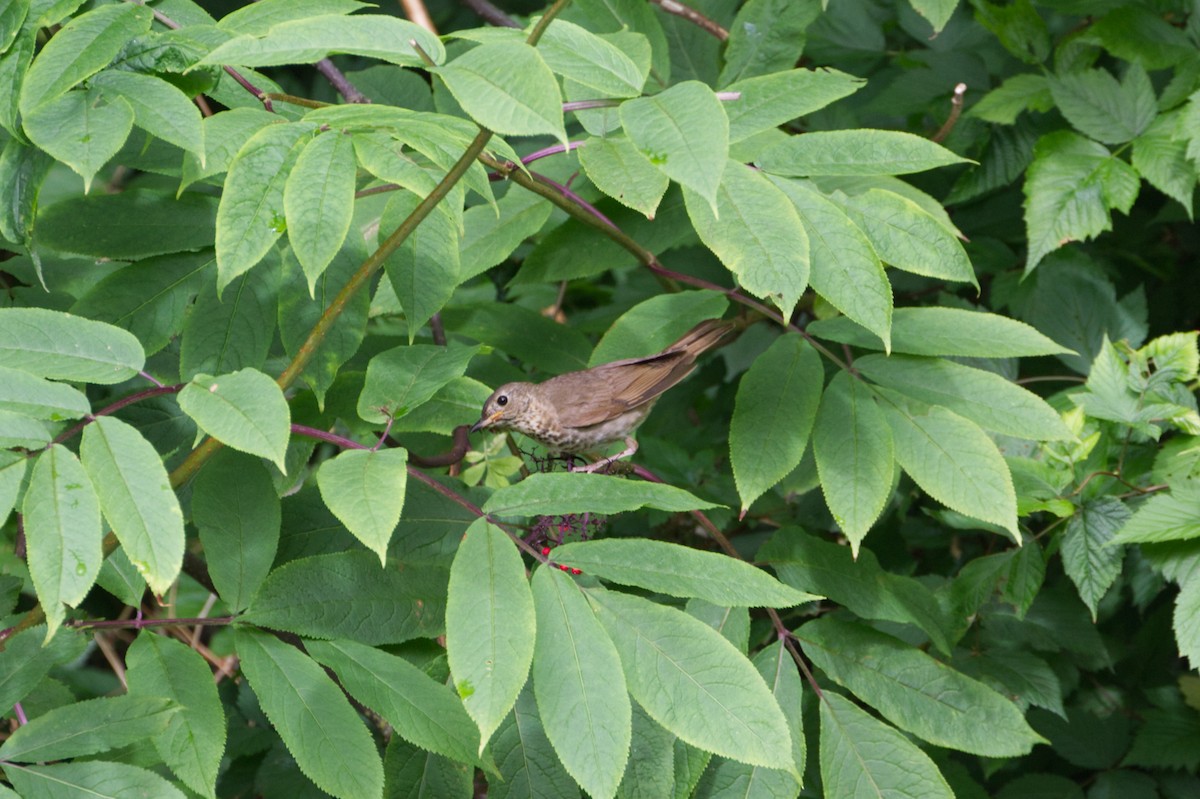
{"points": [[606, 463]]}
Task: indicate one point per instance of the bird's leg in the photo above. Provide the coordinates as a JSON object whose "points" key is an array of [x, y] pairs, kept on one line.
{"points": [[630, 448]]}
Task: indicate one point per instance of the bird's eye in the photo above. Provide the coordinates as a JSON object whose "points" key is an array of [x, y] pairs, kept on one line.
{"points": [[502, 400]]}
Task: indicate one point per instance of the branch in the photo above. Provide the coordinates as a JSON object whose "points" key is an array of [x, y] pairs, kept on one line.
{"points": [[693, 16]]}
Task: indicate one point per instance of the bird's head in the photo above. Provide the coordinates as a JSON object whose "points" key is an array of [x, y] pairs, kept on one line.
{"points": [[505, 409]]}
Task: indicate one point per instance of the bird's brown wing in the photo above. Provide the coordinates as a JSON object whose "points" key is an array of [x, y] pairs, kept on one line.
{"points": [[606, 391]]}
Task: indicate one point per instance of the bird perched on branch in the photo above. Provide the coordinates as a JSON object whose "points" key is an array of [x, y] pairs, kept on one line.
{"points": [[582, 411]]}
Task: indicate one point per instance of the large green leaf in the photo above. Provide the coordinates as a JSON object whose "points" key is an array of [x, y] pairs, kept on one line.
{"points": [[28, 394], [115, 225], [245, 410], [985, 398], [236, 509], [402, 379], [136, 497], [419, 709], [589, 60], [1070, 190], [65, 347], [684, 132], [312, 716], [424, 269], [619, 169], [581, 695], [490, 625], [159, 108], [916, 692], [863, 757], [365, 490], [62, 532], [83, 129], [756, 233], [251, 215], [234, 329], [507, 87], [80, 49], [854, 452], [679, 571], [194, 740], [318, 199], [95, 778], [550, 494], [1089, 560], [776, 405], [528, 764], [86, 728], [258, 18], [693, 682], [1173, 516], [306, 40], [768, 101], [348, 595], [855, 152], [1099, 107], [954, 461]]}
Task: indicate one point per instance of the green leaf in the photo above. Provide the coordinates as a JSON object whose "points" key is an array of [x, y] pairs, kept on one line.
{"points": [[581, 694], [1089, 561], [916, 692], [490, 238], [318, 199], [1070, 189], [224, 134], [62, 532], [19, 430], [347, 595], [945, 331], [89, 727], [756, 233], [776, 404], [857, 582], [845, 270], [365, 490], [194, 740], [307, 40], [12, 476], [136, 497], [693, 682], [1002, 105], [1098, 106], [854, 453], [421, 711], [92, 779], [225, 333], [549, 494], [405, 767], [258, 18], [235, 507], [245, 410], [423, 270], [64, 347], [908, 238], [114, 225], [28, 657], [11, 17], [1018, 26], [1162, 160], [768, 101], [30, 395], [985, 398], [855, 152], [937, 12], [684, 132], [680, 571], [955, 462], [250, 217], [83, 47], [150, 298], [507, 87], [589, 60], [655, 323], [83, 129], [1165, 517], [159, 108], [490, 625], [312, 716], [619, 169], [402, 379], [527, 762], [862, 756], [767, 36]]}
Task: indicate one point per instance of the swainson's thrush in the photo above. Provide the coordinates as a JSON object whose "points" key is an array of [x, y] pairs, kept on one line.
{"points": [[582, 411]]}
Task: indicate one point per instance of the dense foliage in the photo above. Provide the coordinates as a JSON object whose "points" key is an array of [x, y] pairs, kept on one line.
{"points": [[925, 528]]}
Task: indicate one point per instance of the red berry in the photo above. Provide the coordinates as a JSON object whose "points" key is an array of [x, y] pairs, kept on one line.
{"points": [[564, 567], [545, 550], [576, 571]]}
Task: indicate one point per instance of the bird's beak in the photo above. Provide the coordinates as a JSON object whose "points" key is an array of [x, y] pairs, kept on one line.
{"points": [[487, 421]]}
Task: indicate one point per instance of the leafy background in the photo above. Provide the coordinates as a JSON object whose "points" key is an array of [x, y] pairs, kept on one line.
{"points": [[924, 528]]}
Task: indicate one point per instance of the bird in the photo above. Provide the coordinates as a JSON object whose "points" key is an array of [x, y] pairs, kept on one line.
{"points": [[580, 412]]}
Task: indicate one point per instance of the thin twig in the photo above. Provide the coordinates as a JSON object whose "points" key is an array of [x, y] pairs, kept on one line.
{"points": [[693, 16], [956, 106], [491, 14], [416, 12], [339, 81]]}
